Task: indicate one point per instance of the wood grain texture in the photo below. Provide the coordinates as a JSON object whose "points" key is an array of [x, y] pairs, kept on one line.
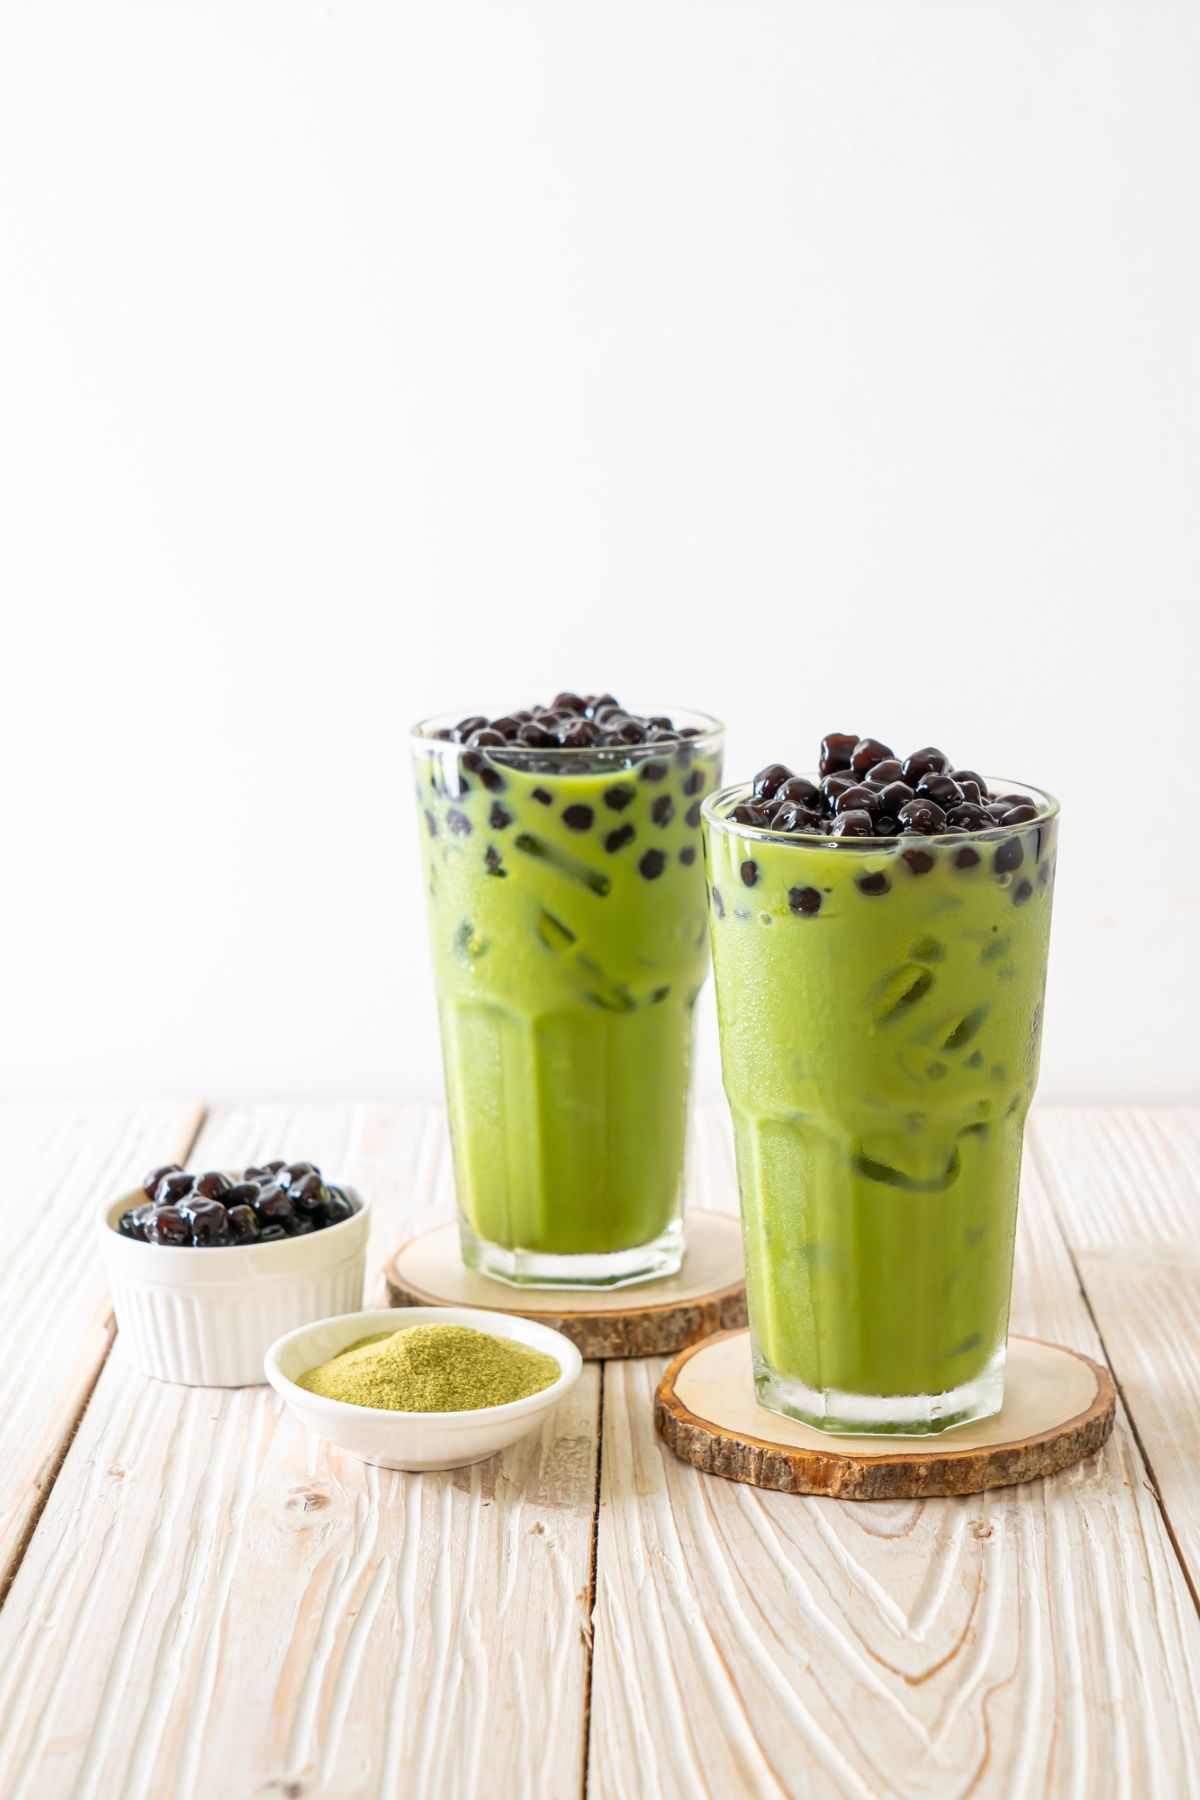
{"points": [[741, 1445], [1126, 1189], [57, 1164], [1038, 1639], [214, 1603]]}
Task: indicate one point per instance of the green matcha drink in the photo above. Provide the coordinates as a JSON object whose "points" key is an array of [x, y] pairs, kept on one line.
{"points": [[562, 857], [879, 992]]}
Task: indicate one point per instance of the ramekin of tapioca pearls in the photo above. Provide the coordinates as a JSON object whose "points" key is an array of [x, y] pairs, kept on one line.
{"points": [[208, 1269]]}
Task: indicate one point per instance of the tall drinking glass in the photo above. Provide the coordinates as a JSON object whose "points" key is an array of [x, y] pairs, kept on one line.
{"points": [[567, 921], [880, 1010]]}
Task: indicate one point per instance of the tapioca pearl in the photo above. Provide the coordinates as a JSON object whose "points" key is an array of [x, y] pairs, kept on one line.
{"points": [[467, 727], [877, 883], [1019, 815], [749, 871], [597, 703], [853, 824], [577, 734], [867, 752], [800, 790], [928, 761], [804, 900], [1022, 892], [886, 826], [616, 840], [654, 771], [492, 779], [858, 798], [494, 861], [919, 861], [430, 823], [969, 816], [793, 817], [693, 783], [568, 702], [618, 798], [935, 1070], [663, 810], [923, 816], [578, 818], [458, 822], [893, 795], [652, 864], [837, 747], [499, 818], [1043, 874], [692, 815], [741, 814], [717, 901], [833, 784], [966, 858], [1008, 856], [940, 789], [884, 772], [543, 796], [687, 855], [974, 1061], [768, 781]]}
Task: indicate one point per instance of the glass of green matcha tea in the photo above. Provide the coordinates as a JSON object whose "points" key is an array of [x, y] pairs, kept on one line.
{"points": [[879, 934], [565, 878]]}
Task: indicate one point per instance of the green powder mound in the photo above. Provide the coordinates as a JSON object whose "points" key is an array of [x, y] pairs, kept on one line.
{"points": [[432, 1368]]}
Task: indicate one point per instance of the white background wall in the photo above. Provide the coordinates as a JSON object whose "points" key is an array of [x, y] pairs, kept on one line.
{"points": [[826, 365]]}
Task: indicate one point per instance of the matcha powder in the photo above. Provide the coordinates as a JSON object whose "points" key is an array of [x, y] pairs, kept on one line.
{"points": [[433, 1368]]}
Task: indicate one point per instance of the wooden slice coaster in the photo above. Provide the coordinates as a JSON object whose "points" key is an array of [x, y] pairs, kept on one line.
{"points": [[1058, 1407], [653, 1318]]}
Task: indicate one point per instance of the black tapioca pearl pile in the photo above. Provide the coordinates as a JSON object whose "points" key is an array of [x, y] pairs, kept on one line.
{"points": [[211, 1210], [570, 722], [866, 792]]}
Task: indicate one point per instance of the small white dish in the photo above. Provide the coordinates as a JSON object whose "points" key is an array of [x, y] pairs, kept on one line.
{"points": [[413, 1440], [205, 1315]]}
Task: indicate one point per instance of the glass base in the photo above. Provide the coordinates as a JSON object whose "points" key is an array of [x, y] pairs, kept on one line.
{"points": [[594, 1269], [894, 1415]]}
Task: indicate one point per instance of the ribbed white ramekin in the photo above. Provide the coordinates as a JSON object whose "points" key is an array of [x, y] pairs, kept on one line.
{"points": [[207, 1316]]}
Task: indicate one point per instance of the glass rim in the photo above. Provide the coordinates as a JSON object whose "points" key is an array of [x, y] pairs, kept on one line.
{"points": [[739, 790], [709, 730]]}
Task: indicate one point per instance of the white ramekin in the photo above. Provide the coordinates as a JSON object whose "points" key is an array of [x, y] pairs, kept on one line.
{"points": [[207, 1316], [405, 1440]]}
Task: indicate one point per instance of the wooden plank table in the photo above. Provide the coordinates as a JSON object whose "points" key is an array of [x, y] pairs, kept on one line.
{"points": [[201, 1600]]}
